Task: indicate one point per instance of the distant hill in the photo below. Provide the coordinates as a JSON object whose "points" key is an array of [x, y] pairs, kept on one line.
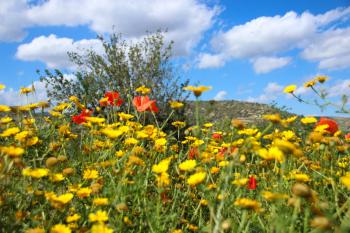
{"points": [[251, 113]]}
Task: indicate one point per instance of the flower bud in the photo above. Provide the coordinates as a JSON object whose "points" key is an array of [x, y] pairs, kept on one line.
{"points": [[52, 161], [68, 171], [320, 222], [301, 190]]}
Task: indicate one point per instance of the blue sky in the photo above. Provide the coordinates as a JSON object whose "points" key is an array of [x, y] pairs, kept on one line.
{"points": [[246, 50]]}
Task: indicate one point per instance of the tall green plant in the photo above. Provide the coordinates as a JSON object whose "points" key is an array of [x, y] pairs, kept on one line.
{"points": [[122, 67]]}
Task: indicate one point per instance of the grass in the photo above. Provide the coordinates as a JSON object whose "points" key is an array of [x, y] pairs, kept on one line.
{"points": [[113, 174]]}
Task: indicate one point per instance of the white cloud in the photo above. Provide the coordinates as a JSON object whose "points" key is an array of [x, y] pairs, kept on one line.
{"points": [[269, 36], [273, 88], [53, 51], [184, 20], [331, 49], [270, 93], [301, 90], [267, 64], [220, 95], [339, 88], [13, 20], [210, 61], [12, 97]]}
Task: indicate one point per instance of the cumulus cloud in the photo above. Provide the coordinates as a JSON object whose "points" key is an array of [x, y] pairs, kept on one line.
{"points": [[13, 20], [269, 36], [206, 60], [184, 20], [270, 93], [267, 64], [339, 88], [220, 95], [331, 49], [53, 51], [12, 97]]}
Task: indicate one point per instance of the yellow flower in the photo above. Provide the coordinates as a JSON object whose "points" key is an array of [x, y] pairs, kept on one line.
{"points": [[160, 142], [143, 90], [2, 86], [178, 124], [12, 151], [208, 125], [35, 230], [162, 166], [223, 163], [197, 91], [112, 133], [300, 177], [84, 192], [248, 204], [214, 170], [119, 153], [60, 228], [175, 104], [99, 216], [269, 196], [90, 174], [72, 218], [61, 107], [5, 120], [124, 116], [310, 83], [290, 119], [163, 179], [36, 173], [177, 231], [274, 118], [321, 78], [100, 228], [274, 153], [25, 90], [43, 104], [308, 120], [345, 180], [131, 141], [96, 120], [188, 165], [290, 89], [9, 132], [55, 114], [100, 201], [248, 131], [240, 182], [62, 199], [57, 177], [196, 178], [4, 108], [127, 221]]}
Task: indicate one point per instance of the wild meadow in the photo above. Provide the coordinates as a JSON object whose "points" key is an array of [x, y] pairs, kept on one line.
{"points": [[68, 168]]}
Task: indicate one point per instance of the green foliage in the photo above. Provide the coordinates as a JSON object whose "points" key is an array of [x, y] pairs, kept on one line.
{"points": [[123, 67]]}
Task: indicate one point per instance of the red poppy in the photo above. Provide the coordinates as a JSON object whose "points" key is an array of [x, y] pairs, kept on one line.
{"points": [[143, 103], [193, 153], [216, 136], [347, 136], [113, 99], [332, 124], [252, 183], [226, 150], [81, 117]]}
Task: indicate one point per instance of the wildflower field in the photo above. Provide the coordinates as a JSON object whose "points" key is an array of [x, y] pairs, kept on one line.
{"points": [[66, 168]]}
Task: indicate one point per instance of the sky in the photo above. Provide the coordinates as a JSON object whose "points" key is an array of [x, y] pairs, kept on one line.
{"points": [[246, 50]]}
